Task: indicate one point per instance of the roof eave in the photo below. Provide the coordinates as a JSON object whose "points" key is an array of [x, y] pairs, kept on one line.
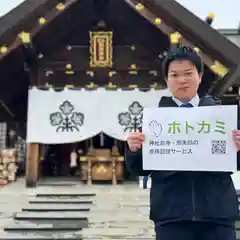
{"points": [[210, 40]]}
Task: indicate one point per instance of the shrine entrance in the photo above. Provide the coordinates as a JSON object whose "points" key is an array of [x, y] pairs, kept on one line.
{"points": [[100, 159], [55, 161], [82, 134]]}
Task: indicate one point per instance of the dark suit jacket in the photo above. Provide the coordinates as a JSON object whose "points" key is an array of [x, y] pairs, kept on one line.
{"points": [[191, 196]]}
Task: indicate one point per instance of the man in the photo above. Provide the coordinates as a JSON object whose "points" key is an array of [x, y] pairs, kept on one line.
{"points": [[145, 182], [187, 205], [73, 162]]}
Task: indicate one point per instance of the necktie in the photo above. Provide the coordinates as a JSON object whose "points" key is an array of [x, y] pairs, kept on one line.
{"points": [[187, 105]]}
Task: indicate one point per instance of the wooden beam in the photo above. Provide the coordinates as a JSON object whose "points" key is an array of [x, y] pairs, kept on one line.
{"points": [[121, 67], [22, 17], [81, 79], [12, 85], [29, 54], [196, 30], [62, 36], [123, 57], [32, 163], [7, 109], [232, 78], [50, 16], [168, 30], [154, 41]]}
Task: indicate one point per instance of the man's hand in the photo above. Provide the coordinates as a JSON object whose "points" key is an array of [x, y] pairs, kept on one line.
{"points": [[236, 138], [135, 140]]}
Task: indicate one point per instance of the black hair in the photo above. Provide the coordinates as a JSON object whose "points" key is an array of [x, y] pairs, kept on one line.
{"points": [[181, 52]]}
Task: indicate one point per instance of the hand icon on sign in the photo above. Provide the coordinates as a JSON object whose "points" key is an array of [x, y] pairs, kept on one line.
{"points": [[155, 127]]}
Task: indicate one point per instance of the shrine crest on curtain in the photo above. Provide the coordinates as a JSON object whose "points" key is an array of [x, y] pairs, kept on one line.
{"points": [[101, 49]]}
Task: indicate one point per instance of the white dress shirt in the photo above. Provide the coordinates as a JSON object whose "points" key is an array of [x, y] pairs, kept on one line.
{"points": [[195, 101]]}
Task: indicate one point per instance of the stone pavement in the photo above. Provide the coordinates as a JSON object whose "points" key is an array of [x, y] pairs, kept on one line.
{"points": [[117, 212]]}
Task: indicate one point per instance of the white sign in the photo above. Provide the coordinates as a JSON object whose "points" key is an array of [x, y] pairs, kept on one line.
{"points": [[190, 139]]}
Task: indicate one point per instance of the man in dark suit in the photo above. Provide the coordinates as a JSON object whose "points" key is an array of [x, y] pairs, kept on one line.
{"points": [[187, 205]]}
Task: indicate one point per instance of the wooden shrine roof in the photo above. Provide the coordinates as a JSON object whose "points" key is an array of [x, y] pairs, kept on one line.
{"points": [[174, 16], [22, 17], [48, 25], [207, 39]]}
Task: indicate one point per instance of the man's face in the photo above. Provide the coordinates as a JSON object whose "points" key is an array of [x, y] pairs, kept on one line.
{"points": [[183, 79]]}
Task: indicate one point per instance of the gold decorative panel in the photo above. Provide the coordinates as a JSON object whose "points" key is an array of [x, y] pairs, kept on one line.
{"points": [[101, 49]]}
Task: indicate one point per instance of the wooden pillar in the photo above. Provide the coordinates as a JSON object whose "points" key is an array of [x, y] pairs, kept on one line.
{"points": [[32, 165], [38, 167], [89, 171], [114, 172]]}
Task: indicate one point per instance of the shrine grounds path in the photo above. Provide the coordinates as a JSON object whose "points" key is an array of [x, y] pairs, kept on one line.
{"points": [[54, 210]]}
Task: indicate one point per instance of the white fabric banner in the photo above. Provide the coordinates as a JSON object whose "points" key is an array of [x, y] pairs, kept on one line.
{"points": [[62, 117], [76, 115], [123, 110]]}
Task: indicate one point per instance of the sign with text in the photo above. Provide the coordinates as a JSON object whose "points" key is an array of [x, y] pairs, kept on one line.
{"points": [[101, 49], [190, 139]]}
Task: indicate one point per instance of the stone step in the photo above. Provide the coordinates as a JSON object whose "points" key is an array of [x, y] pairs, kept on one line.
{"points": [[98, 208], [41, 225], [57, 184], [44, 235], [51, 216], [62, 198], [91, 215], [65, 195], [59, 205], [59, 201], [56, 208]]}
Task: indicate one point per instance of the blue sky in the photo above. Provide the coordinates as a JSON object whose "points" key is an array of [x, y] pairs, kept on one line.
{"points": [[227, 12]]}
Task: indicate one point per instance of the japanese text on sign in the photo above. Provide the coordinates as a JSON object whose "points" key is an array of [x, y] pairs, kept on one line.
{"points": [[196, 139], [202, 127]]}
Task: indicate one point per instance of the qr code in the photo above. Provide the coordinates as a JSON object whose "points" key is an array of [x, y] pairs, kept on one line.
{"points": [[219, 147]]}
